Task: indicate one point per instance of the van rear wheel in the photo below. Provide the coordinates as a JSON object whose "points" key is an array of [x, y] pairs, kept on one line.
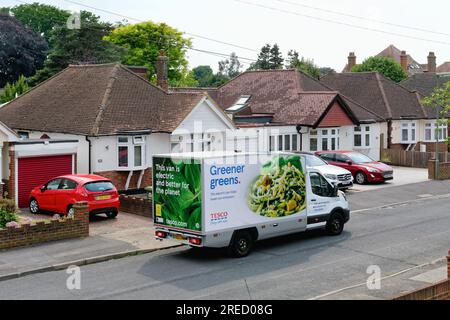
{"points": [[241, 244], [335, 224]]}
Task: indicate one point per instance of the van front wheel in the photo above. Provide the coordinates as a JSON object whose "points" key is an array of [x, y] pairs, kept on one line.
{"points": [[241, 244], [335, 224]]}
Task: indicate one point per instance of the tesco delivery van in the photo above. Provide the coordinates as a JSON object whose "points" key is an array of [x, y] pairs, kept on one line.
{"points": [[234, 199]]}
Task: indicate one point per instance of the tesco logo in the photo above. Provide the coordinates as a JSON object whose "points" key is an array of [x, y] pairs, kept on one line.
{"points": [[219, 215]]}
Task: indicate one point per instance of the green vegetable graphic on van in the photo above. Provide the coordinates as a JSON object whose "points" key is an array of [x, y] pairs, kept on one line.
{"points": [[280, 189], [177, 193]]}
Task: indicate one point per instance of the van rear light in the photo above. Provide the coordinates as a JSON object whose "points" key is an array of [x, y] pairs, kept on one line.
{"points": [[195, 241], [161, 234]]}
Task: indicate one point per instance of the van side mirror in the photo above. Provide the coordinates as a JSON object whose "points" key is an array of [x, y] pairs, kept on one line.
{"points": [[335, 190]]}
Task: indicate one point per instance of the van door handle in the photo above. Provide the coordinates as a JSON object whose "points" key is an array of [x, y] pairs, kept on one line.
{"points": [[313, 200], [275, 224]]}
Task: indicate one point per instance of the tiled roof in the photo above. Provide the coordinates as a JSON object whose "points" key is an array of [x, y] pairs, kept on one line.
{"points": [[98, 99], [292, 96], [424, 83], [394, 53], [445, 67], [377, 93]]}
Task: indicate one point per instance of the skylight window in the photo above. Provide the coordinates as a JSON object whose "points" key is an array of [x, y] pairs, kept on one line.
{"points": [[240, 104]]}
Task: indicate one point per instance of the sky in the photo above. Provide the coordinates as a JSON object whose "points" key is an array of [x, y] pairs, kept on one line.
{"points": [[316, 33]]}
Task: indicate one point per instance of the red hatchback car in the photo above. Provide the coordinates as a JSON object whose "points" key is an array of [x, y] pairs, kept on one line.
{"points": [[363, 168], [61, 193]]}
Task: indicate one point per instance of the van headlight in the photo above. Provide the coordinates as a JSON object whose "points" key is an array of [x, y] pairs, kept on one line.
{"points": [[330, 176]]}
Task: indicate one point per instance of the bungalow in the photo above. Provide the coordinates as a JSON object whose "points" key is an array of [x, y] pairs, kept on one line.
{"points": [[409, 125], [102, 119], [286, 110]]}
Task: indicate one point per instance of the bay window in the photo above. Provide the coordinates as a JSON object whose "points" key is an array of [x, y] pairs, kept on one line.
{"points": [[286, 142], [432, 131], [130, 152], [408, 132]]}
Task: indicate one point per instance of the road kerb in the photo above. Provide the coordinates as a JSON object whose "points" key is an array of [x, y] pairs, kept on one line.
{"points": [[83, 262]]}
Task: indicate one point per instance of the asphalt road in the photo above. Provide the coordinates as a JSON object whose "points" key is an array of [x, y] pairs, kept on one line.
{"points": [[399, 239]]}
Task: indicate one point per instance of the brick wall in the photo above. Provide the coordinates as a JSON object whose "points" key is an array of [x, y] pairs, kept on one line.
{"points": [[438, 291], [119, 178], [136, 205], [50, 230], [444, 170]]}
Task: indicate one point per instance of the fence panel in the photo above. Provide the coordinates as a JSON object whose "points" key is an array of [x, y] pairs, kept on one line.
{"points": [[411, 158]]}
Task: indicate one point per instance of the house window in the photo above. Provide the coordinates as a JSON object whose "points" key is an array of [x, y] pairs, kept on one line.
{"points": [[294, 142], [287, 142], [23, 135], [272, 143], [280, 143], [361, 136], [313, 140], [130, 152], [123, 156], [428, 131], [408, 132]]}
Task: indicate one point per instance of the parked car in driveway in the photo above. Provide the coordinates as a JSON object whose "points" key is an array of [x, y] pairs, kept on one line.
{"points": [[61, 193], [363, 168], [335, 175]]}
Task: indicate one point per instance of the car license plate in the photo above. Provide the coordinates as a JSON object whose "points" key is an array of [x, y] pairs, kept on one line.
{"points": [[346, 183], [179, 237], [104, 197]]}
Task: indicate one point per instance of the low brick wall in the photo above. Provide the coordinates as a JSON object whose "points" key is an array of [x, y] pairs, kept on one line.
{"points": [[438, 291], [136, 205], [444, 170], [49, 230]]}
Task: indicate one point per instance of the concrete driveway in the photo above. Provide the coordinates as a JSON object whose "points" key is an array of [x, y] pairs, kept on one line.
{"points": [[402, 176]]}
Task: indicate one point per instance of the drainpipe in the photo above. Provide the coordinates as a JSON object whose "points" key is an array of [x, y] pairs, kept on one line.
{"points": [[89, 153]]}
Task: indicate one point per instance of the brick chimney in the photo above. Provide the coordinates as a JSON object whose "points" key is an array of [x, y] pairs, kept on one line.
{"points": [[431, 63], [404, 61], [161, 71], [351, 61]]}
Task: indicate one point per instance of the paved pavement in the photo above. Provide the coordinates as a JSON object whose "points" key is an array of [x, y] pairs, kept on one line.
{"points": [[127, 233], [407, 241], [402, 176]]}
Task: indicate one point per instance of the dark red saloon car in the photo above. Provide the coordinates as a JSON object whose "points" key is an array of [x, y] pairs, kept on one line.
{"points": [[61, 193], [363, 168]]}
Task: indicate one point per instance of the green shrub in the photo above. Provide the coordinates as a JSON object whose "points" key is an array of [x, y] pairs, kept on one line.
{"points": [[8, 212]]}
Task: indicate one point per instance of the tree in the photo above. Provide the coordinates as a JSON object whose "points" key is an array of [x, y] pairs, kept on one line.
{"points": [[305, 65], [439, 100], [386, 66], [204, 76], [12, 90], [79, 46], [144, 41], [230, 68], [268, 58], [41, 18], [22, 51], [276, 59], [326, 70]]}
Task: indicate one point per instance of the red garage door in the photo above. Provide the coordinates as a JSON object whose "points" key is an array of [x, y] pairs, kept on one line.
{"points": [[35, 171]]}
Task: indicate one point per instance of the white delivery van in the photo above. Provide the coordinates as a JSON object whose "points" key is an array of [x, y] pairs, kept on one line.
{"points": [[233, 199]]}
